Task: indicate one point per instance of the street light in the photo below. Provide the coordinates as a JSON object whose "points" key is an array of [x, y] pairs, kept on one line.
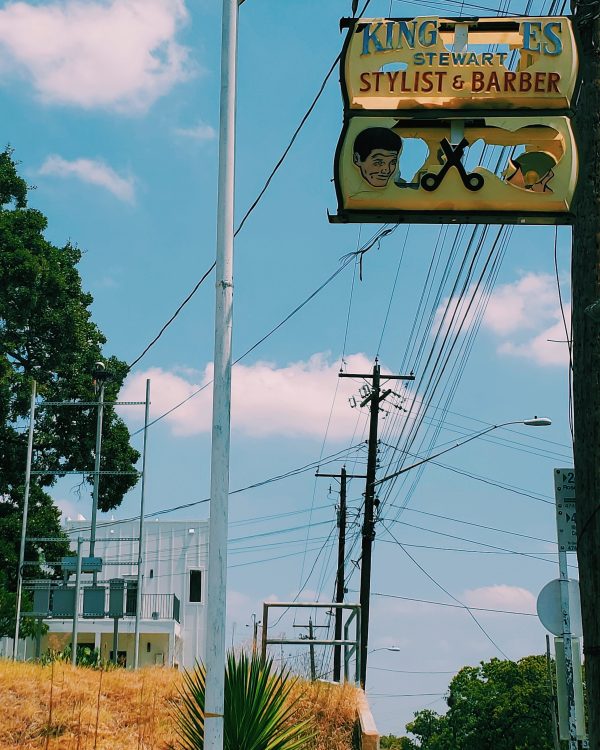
{"points": [[535, 422], [395, 649]]}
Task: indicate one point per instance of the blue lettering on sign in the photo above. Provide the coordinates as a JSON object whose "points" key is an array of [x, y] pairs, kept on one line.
{"points": [[408, 34], [371, 37], [427, 39], [544, 38], [556, 41], [531, 32]]}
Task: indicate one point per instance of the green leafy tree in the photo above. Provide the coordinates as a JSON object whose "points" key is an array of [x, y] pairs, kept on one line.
{"points": [[47, 334], [391, 742], [426, 726], [500, 704]]}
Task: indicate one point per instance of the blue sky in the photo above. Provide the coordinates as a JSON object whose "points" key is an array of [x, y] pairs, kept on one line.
{"points": [[112, 109]]}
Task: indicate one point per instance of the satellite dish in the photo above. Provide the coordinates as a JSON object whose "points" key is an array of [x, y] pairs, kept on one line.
{"points": [[549, 609]]}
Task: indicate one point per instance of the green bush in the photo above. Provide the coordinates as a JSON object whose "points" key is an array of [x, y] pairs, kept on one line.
{"points": [[257, 716]]}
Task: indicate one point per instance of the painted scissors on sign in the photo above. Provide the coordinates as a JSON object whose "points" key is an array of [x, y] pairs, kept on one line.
{"points": [[472, 181]]}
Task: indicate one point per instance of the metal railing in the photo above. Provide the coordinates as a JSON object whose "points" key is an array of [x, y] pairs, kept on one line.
{"points": [[153, 606]]}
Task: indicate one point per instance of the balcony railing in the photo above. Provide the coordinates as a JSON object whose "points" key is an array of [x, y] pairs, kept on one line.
{"points": [[52, 600], [158, 607]]}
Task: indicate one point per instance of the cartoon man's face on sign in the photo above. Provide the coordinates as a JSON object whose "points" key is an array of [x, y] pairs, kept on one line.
{"points": [[376, 153]]}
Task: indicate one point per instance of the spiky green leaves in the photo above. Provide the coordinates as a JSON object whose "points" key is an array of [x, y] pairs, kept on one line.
{"points": [[258, 712]]}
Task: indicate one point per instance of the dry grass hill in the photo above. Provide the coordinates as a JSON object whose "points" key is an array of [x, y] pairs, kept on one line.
{"points": [[58, 707]]}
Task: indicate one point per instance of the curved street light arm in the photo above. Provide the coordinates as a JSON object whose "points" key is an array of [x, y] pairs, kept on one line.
{"points": [[536, 422]]}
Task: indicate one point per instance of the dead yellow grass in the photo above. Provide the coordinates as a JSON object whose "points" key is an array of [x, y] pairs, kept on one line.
{"points": [[59, 707], [332, 709]]}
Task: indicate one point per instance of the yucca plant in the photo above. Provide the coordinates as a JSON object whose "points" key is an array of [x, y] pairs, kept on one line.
{"points": [[258, 715]]}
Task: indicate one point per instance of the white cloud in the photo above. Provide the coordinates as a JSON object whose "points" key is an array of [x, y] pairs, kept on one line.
{"points": [[544, 348], [114, 54], [294, 400], [525, 304], [501, 596], [513, 312], [92, 171], [200, 132]]}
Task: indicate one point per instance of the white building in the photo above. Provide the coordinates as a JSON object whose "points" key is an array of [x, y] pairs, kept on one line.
{"points": [[173, 612]]}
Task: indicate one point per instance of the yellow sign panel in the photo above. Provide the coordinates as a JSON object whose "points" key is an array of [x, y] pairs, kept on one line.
{"points": [[401, 169], [432, 63]]}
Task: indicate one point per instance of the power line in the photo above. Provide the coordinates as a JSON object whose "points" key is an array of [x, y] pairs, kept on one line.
{"points": [[470, 541], [293, 472], [343, 264], [439, 585], [455, 606], [413, 671], [479, 525], [254, 203]]}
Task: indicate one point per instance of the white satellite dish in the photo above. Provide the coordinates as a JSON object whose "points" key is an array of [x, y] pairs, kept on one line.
{"points": [[549, 609]]}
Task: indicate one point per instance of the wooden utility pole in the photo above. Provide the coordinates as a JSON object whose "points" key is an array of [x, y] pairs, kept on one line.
{"points": [[343, 476], [368, 531], [586, 350]]}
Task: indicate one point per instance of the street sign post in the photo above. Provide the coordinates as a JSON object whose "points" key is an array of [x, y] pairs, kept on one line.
{"points": [[564, 488]]}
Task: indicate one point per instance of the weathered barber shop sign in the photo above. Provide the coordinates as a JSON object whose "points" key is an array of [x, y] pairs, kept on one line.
{"points": [[392, 169], [457, 120], [433, 63]]}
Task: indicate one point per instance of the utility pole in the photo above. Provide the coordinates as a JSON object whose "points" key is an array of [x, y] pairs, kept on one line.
{"points": [[100, 377], [310, 638], [368, 531], [214, 706], [343, 476], [140, 561], [25, 515], [586, 349]]}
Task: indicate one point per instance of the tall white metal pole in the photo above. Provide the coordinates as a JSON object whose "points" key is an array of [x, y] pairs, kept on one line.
{"points": [[140, 577], [219, 478], [568, 645], [25, 514]]}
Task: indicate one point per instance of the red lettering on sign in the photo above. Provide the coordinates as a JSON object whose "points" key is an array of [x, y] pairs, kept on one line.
{"points": [[427, 84], [553, 79], [440, 76], [392, 79], [366, 84], [509, 78], [477, 81], [540, 81], [493, 83], [524, 81]]}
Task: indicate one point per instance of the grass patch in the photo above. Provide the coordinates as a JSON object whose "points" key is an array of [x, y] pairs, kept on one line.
{"points": [[65, 708]]}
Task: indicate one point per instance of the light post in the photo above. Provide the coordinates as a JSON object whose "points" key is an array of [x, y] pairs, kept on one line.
{"points": [[394, 649], [535, 422]]}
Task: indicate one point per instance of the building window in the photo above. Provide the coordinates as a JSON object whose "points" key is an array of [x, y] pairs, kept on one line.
{"points": [[151, 573], [195, 585]]}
